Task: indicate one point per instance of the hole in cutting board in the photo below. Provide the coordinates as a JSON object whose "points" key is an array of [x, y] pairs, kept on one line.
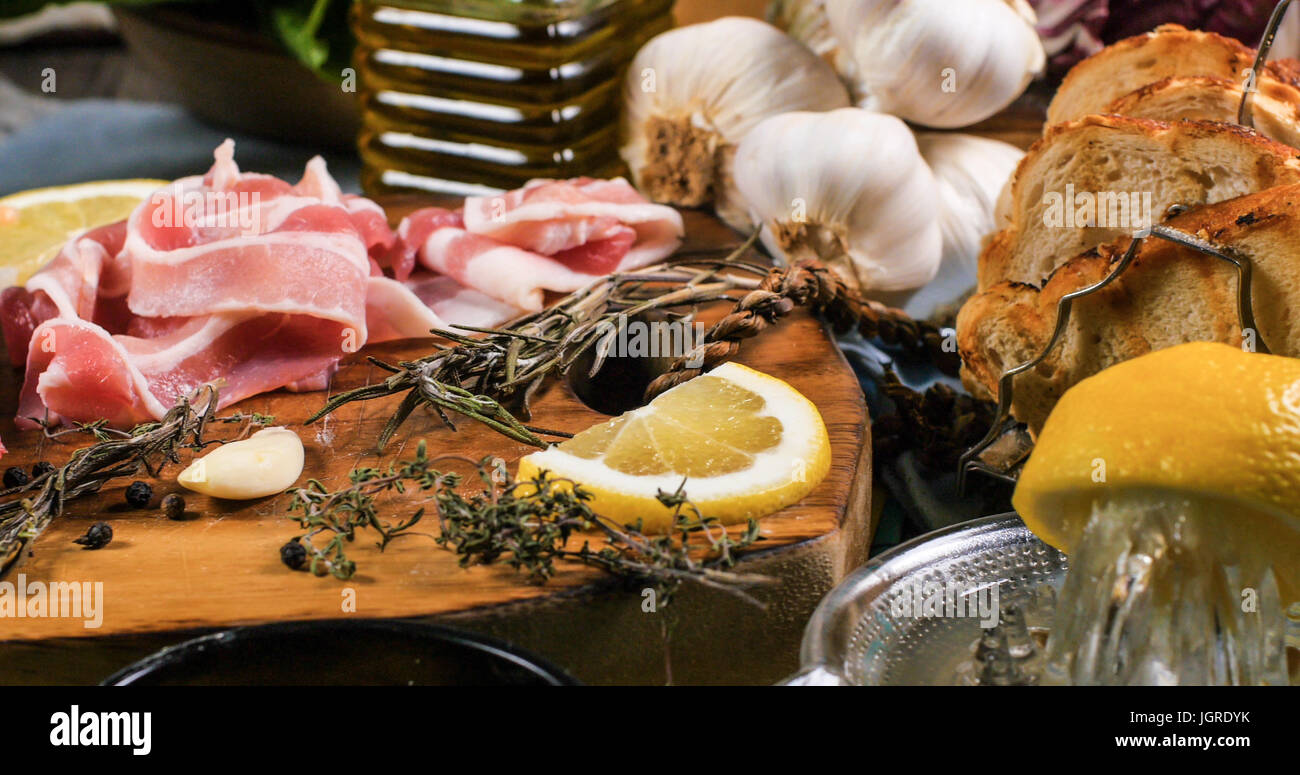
{"points": [[640, 348]]}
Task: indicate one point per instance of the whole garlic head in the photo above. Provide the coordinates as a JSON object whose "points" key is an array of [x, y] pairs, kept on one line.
{"points": [[939, 63], [848, 187], [970, 172], [805, 21], [692, 93]]}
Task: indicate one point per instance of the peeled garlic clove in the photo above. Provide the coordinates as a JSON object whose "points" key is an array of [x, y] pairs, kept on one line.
{"points": [[970, 172], [939, 63], [848, 187], [692, 93], [266, 463]]}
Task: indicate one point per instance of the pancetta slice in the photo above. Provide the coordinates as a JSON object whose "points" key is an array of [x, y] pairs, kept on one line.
{"points": [[550, 235], [231, 278]]}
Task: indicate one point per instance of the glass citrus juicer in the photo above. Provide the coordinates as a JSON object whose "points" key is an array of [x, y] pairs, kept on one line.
{"points": [[1171, 481]]}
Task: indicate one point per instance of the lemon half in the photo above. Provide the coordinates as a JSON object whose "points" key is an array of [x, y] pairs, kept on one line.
{"points": [[35, 224], [746, 444], [1200, 423]]}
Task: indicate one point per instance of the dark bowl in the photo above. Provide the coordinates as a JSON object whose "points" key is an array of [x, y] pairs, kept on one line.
{"points": [[352, 652], [232, 76]]}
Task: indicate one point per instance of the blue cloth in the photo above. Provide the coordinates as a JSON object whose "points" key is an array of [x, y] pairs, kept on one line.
{"points": [[106, 139]]}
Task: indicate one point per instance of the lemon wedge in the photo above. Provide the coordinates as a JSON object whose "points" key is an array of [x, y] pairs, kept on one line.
{"points": [[746, 443], [1201, 424], [35, 224]]}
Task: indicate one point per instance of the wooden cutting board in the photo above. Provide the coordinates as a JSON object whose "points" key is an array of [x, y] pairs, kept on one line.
{"points": [[164, 581]]}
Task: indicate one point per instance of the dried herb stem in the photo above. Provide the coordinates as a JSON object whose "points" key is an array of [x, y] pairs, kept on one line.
{"points": [[492, 378], [148, 447], [528, 526]]}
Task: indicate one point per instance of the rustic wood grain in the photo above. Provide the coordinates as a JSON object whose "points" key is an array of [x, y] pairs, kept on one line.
{"points": [[221, 567]]}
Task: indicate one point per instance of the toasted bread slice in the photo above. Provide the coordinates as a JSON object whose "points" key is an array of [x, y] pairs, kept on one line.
{"points": [[1132, 170], [1168, 51], [1275, 107], [1167, 296]]}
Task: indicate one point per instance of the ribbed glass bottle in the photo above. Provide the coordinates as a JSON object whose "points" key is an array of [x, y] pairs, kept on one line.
{"points": [[475, 96]]}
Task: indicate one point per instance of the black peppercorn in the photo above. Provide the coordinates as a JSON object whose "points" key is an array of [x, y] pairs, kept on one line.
{"points": [[42, 468], [293, 554], [173, 506], [97, 537], [16, 477], [139, 494]]}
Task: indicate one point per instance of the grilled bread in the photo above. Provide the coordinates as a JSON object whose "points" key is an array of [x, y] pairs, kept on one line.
{"points": [[1167, 296], [1132, 170], [1167, 51], [1275, 107]]}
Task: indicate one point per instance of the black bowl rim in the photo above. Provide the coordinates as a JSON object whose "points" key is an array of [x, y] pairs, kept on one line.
{"points": [[542, 668]]}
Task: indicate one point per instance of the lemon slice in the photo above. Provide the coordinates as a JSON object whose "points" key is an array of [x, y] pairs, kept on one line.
{"points": [[35, 224], [1203, 425], [746, 443]]}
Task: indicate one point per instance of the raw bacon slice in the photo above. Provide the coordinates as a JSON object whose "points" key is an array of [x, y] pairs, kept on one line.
{"points": [[228, 277], [504, 272], [556, 235], [410, 310], [371, 223], [550, 216]]}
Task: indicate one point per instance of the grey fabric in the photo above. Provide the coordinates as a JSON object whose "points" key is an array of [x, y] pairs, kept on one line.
{"points": [[61, 142]]}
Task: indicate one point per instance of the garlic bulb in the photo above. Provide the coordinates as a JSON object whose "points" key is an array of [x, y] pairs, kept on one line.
{"points": [[849, 187], [692, 93], [939, 63], [970, 172], [805, 21]]}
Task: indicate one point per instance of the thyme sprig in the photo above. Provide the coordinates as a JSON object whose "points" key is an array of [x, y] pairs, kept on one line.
{"points": [[526, 525], [492, 378], [31, 507]]}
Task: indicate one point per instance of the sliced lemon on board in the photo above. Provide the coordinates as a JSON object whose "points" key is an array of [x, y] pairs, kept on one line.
{"points": [[746, 443], [35, 224], [1204, 425]]}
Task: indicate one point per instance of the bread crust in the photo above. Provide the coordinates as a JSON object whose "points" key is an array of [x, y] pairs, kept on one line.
{"points": [[1169, 295], [1122, 67], [1191, 163], [1275, 107]]}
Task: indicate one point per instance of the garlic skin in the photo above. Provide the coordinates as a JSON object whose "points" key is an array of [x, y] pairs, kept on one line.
{"points": [[970, 172], [691, 95], [806, 22], [848, 187], [939, 63], [266, 463]]}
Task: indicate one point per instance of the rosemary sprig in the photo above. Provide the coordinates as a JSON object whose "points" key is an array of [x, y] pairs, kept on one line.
{"points": [[492, 378], [31, 507], [528, 526]]}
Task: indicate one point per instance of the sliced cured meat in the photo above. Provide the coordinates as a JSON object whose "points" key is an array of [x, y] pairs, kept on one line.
{"points": [[413, 232], [229, 277], [371, 223], [85, 374], [425, 302], [556, 235], [504, 272], [550, 216], [600, 257]]}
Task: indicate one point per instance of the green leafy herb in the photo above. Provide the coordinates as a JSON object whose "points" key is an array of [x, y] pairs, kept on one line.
{"points": [[315, 32], [527, 525]]}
